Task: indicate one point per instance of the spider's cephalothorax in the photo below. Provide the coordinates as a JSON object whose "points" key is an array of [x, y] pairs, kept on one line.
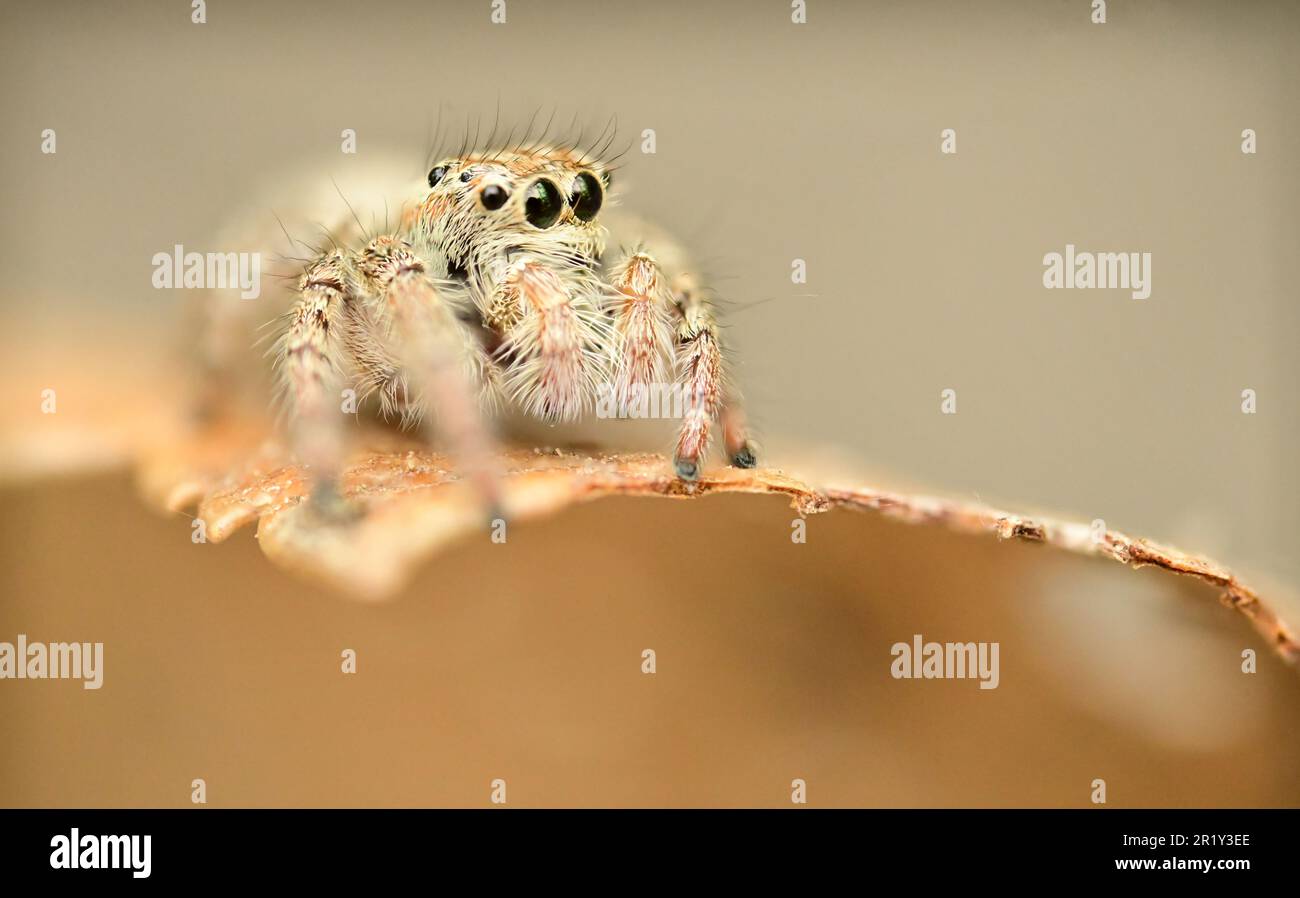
{"points": [[496, 287]]}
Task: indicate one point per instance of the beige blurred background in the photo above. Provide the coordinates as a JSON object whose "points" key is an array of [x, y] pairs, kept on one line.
{"points": [[775, 142]]}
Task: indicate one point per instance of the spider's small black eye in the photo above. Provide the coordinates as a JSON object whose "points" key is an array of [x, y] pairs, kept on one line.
{"points": [[437, 175], [586, 197], [544, 204], [493, 197]]}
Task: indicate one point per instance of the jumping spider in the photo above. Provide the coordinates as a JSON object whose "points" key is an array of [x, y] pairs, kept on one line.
{"points": [[496, 287]]}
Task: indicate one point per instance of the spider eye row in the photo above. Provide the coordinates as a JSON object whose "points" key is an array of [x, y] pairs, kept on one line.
{"points": [[543, 203]]}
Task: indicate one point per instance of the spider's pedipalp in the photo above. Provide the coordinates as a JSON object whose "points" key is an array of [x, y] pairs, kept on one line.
{"points": [[642, 333], [555, 347]]}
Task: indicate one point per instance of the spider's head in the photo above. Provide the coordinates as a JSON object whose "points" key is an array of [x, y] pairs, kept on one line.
{"points": [[486, 206]]}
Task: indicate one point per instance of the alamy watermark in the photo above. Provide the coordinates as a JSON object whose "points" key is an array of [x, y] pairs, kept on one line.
{"points": [[53, 661], [77, 852], [921, 660], [653, 400], [1100, 271], [181, 270]]}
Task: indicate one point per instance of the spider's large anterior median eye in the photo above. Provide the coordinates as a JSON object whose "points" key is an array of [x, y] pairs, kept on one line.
{"points": [[493, 197], [437, 174], [544, 204], [586, 197]]}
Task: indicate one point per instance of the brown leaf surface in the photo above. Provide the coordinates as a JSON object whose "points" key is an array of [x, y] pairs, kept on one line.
{"points": [[412, 504]]}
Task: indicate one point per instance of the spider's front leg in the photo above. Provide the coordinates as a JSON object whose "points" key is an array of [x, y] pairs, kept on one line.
{"points": [[642, 338], [313, 356], [439, 357]]}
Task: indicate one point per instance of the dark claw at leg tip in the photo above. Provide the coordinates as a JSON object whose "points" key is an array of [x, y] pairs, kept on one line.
{"points": [[331, 506], [686, 470], [744, 458]]}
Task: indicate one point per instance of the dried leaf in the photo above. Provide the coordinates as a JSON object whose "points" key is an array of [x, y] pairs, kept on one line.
{"points": [[413, 504]]}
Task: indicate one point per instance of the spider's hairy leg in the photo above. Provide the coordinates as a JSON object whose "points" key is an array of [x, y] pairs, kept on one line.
{"points": [[439, 357], [642, 332], [312, 358], [556, 347], [700, 361], [707, 393]]}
